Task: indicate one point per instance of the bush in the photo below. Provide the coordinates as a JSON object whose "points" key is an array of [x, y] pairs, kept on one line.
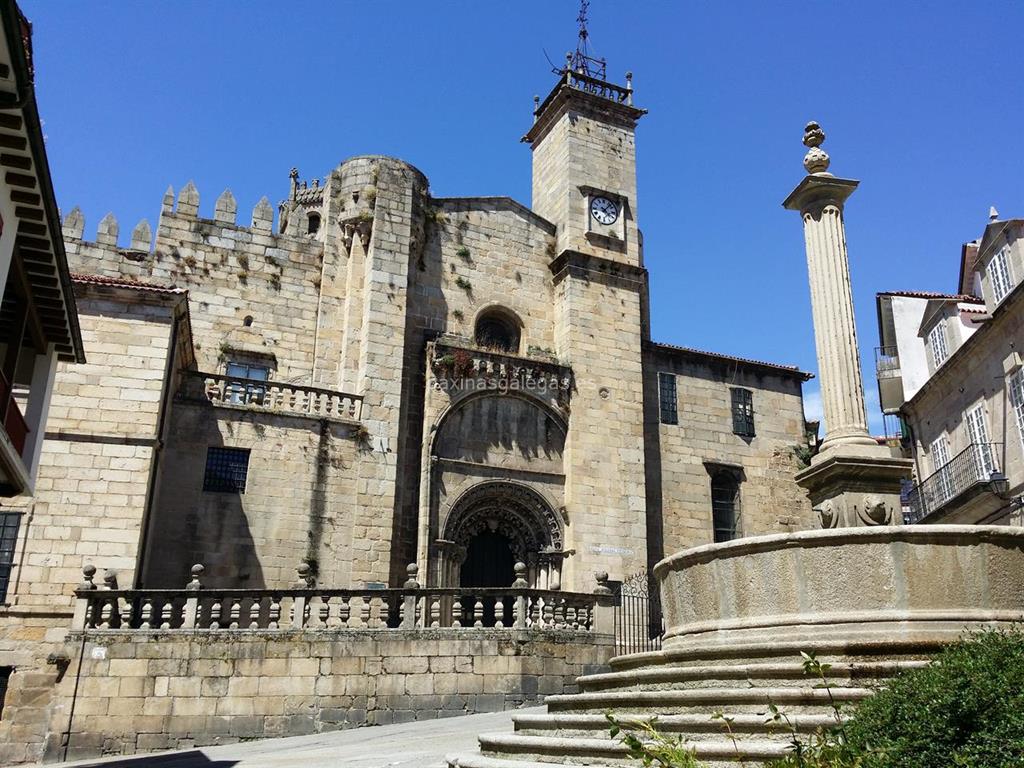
{"points": [[966, 709]]}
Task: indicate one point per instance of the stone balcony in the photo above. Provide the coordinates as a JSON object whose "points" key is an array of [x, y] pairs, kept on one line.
{"points": [[453, 358], [275, 397]]}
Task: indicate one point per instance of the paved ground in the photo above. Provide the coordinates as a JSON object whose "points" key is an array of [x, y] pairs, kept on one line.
{"points": [[409, 745]]}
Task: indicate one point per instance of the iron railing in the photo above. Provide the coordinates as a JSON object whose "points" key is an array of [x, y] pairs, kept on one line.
{"points": [[639, 625], [971, 467], [887, 362]]}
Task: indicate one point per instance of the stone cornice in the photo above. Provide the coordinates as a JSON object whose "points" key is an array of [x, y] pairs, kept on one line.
{"points": [[817, 190], [563, 97], [598, 267]]}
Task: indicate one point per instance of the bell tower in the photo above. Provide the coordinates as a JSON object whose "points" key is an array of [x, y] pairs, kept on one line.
{"points": [[584, 160], [584, 182]]}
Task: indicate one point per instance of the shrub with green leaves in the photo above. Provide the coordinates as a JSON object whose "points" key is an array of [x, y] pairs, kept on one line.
{"points": [[964, 710]]}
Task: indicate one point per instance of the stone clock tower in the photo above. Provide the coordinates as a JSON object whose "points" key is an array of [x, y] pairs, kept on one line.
{"points": [[584, 182]]}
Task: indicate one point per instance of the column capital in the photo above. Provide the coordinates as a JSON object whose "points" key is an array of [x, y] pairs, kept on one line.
{"points": [[816, 191]]}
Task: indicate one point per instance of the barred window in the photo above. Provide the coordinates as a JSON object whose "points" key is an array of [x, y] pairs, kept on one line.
{"points": [[9, 522], [742, 412], [725, 494], [226, 470], [667, 398]]}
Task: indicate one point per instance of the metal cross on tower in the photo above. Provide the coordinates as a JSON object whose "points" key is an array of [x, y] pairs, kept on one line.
{"points": [[582, 61]]}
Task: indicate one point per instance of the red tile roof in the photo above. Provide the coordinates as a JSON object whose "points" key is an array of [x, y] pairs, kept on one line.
{"points": [[747, 361], [123, 282], [964, 297]]}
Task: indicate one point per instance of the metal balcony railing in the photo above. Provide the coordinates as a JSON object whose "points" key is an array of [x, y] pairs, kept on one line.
{"points": [[972, 467], [887, 362]]}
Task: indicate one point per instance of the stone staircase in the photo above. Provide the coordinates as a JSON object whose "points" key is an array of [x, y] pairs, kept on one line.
{"points": [[684, 689]]}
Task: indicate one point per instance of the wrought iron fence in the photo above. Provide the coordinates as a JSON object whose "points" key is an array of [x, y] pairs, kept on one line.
{"points": [[972, 466], [639, 625]]}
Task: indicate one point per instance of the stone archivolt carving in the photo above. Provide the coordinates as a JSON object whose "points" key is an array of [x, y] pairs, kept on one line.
{"points": [[517, 512]]}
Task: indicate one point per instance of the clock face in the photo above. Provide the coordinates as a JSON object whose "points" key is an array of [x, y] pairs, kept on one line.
{"points": [[604, 210]]}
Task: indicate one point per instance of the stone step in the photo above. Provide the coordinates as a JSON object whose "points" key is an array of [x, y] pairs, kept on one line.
{"points": [[696, 726], [581, 751], [744, 700], [783, 650], [694, 676], [476, 760]]}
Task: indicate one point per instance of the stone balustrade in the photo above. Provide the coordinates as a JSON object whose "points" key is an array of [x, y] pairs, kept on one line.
{"points": [[453, 360], [270, 396], [307, 607]]}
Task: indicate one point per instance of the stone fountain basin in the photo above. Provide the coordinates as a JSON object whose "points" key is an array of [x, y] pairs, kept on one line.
{"points": [[890, 585]]}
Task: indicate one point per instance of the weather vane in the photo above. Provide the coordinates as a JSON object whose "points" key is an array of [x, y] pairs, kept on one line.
{"points": [[581, 61]]}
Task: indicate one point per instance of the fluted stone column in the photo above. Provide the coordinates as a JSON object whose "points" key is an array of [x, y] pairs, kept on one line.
{"points": [[852, 480]]}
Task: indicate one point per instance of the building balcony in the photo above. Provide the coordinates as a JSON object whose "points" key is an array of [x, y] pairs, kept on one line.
{"points": [[890, 379], [274, 397], [960, 491]]}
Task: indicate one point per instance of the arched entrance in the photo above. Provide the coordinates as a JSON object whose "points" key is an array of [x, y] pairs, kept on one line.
{"points": [[489, 561], [491, 527]]}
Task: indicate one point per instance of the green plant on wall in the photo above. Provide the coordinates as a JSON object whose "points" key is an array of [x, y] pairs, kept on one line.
{"points": [[462, 252], [463, 283]]}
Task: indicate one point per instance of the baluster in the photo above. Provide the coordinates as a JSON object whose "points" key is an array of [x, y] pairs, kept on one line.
{"points": [[434, 601], [344, 610], [558, 613], [146, 613], [166, 614], [499, 612], [332, 619], [216, 608], [571, 618], [255, 608], [364, 612], [549, 614], [234, 613], [457, 610], [478, 612], [274, 612]]}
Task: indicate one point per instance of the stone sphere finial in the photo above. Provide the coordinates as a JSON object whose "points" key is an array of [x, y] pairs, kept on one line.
{"points": [[816, 160], [520, 571], [196, 571], [412, 571]]}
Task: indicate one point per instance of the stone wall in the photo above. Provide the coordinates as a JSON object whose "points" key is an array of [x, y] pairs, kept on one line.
{"points": [[682, 456], [297, 505], [101, 443], [141, 691]]}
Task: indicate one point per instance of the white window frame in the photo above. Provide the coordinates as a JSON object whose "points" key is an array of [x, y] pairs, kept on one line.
{"points": [[939, 453], [976, 419], [938, 343], [999, 274], [1016, 387]]}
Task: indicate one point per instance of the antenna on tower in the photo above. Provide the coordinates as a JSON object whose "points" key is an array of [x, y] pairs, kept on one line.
{"points": [[581, 61]]}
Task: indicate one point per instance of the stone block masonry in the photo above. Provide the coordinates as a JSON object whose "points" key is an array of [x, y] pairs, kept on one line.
{"points": [[139, 691]]}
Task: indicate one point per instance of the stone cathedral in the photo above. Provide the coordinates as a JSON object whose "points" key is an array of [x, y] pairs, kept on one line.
{"points": [[383, 389], [391, 378]]}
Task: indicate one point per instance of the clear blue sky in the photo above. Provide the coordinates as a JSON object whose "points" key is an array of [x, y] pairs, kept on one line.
{"points": [[920, 101]]}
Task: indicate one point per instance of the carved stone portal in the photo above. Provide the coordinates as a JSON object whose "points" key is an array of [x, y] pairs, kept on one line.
{"points": [[516, 512]]}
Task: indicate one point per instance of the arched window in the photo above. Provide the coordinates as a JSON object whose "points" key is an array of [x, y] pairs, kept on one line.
{"points": [[313, 224], [498, 329], [725, 504]]}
